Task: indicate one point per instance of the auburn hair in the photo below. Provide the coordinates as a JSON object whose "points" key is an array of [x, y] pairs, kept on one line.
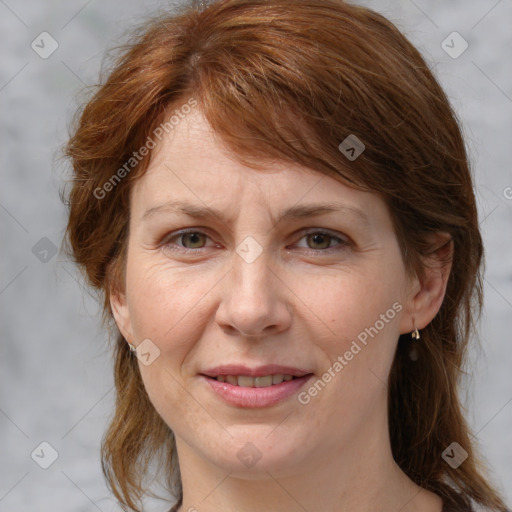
{"points": [[290, 80]]}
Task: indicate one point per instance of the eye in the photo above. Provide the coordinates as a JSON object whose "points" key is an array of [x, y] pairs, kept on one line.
{"points": [[321, 241], [189, 240]]}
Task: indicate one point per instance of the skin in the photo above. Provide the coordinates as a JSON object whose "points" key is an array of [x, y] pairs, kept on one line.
{"points": [[299, 304]]}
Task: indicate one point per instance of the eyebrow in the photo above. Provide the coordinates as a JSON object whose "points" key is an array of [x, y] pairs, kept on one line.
{"points": [[294, 212]]}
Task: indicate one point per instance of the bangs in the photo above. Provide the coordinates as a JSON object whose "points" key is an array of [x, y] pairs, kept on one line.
{"points": [[276, 90]]}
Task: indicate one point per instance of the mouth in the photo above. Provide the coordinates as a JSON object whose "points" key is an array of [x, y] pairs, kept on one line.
{"points": [[264, 386], [246, 381]]}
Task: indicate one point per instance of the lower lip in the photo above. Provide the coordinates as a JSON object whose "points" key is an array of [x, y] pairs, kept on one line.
{"points": [[240, 396]]}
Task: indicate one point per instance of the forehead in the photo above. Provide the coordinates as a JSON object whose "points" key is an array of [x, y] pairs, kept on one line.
{"points": [[192, 164]]}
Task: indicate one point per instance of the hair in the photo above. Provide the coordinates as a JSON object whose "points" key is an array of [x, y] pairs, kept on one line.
{"points": [[289, 80]]}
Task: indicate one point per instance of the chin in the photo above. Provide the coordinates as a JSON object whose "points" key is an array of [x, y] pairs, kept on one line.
{"points": [[253, 454]]}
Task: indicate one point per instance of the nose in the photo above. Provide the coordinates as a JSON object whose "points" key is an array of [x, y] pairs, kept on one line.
{"points": [[255, 299]]}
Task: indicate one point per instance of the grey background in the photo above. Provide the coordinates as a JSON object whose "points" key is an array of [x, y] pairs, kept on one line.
{"points": [[55, 369]]}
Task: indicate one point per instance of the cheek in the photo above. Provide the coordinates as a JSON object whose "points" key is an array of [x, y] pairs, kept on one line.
{"points": [[360, 314], [164, 302], [350, 303], [167, 305]]}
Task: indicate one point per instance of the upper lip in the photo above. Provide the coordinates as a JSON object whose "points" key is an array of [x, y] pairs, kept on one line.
{"points": [[258, 371]]}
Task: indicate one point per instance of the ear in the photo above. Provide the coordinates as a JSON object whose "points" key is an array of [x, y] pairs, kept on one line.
{"points": [[121, 313], [425, 295]]}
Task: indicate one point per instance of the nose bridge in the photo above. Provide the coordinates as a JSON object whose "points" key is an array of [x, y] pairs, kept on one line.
{"points": [[251, 277], [251, 300]]}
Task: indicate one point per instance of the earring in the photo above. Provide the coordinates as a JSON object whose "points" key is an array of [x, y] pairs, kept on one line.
{"points": [[415, 335], [133, 348]]}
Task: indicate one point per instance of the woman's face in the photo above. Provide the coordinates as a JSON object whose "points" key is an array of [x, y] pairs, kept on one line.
{"points": [[237, 273]]}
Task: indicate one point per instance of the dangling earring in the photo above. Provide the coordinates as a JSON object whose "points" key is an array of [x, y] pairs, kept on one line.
{"points": [[413, 352]]}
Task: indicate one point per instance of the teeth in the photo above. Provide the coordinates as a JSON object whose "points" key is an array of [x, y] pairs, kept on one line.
{"points": [[231, 380], [246, 382], [277, 379], [254, 382], [261, 382]]}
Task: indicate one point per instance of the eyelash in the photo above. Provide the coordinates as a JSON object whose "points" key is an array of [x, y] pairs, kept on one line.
{"points": [[342, 243]]}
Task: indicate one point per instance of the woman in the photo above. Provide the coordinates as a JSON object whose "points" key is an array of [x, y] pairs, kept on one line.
{"points": [[275, 200]]}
